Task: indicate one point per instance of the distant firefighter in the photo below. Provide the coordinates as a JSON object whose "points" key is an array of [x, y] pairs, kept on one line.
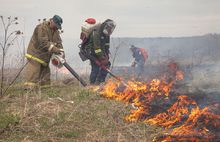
{"points": [[44, 42], [140, 56]]}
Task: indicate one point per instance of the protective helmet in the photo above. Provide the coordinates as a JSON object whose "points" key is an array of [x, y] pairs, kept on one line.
{"points": [[109, 26], [132, 47], [58, 21]]}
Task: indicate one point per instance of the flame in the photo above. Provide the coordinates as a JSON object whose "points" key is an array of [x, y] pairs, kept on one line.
{"points": [[184, 117], [139, 93], [174, 114]]}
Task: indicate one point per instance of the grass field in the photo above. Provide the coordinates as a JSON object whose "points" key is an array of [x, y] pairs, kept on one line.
{"points": [[68, 113]]}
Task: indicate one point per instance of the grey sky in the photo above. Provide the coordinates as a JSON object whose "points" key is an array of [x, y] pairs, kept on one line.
{"points": [[134, 18]]}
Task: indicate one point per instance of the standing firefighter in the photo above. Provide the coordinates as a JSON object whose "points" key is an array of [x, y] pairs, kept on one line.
{"points": [[44, 42], [96, 45], [140, 56]]}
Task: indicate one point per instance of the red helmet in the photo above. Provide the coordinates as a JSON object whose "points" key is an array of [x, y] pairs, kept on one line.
{"points": [[91, 21]]}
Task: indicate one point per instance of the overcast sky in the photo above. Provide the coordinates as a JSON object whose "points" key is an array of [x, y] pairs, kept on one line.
{"points": [[134, 18]]}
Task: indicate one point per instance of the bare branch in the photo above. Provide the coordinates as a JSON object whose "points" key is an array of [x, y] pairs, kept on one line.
{"points": [[15, 78], [1, 45], [115, 53], [6, 44], [3, 22], [10, 36], [10, 43]]}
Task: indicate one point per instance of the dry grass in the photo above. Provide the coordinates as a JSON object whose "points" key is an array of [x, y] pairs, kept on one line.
{"points": [[68, 113]]}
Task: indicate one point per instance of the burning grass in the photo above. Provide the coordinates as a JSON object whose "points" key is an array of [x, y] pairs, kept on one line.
{"points": [[159, 103], [71, 113]]}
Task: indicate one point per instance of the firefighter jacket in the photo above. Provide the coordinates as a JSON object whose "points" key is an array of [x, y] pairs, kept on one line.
{"points": [[98, 43], [42, 41]]}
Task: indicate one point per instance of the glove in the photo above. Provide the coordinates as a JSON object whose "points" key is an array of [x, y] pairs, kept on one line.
{"points": [[104, 60], [133, 64], [58, 51]]}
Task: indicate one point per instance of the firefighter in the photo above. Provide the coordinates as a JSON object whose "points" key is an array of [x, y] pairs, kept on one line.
{"points": [[140, 56], [97, 46], [44, 42]]}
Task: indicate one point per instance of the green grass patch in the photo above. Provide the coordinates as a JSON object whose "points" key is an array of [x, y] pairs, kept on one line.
{"points": [[8, 120], [69, 133]]}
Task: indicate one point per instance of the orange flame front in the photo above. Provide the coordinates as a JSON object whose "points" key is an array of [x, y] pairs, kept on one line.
{"points": [[188, 121]]}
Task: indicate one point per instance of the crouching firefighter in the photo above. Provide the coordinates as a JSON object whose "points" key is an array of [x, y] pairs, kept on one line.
{"points": [[95, 47], [44, 42]]}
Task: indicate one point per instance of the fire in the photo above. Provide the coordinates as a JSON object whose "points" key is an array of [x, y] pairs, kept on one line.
{"points": [[200, 126], [156, 105], [174, 114], [139, 93]]}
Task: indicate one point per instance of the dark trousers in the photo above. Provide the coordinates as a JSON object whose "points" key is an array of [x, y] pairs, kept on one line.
{"points": [[97, 74]]}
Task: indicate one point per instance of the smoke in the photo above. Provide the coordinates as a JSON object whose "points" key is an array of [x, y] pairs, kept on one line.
{"points": [[198, 57]]}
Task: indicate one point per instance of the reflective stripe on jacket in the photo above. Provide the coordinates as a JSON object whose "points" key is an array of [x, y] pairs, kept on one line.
{"points": [[29, 56], [30, 84]]}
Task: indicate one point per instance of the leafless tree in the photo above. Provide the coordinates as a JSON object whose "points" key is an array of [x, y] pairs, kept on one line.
{"points": [[7, 41], [115, 52]]}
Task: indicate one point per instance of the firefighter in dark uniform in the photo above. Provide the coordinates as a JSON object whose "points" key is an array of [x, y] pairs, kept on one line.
{"points": [[44, 42], [140, 56], [98, 46]]}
